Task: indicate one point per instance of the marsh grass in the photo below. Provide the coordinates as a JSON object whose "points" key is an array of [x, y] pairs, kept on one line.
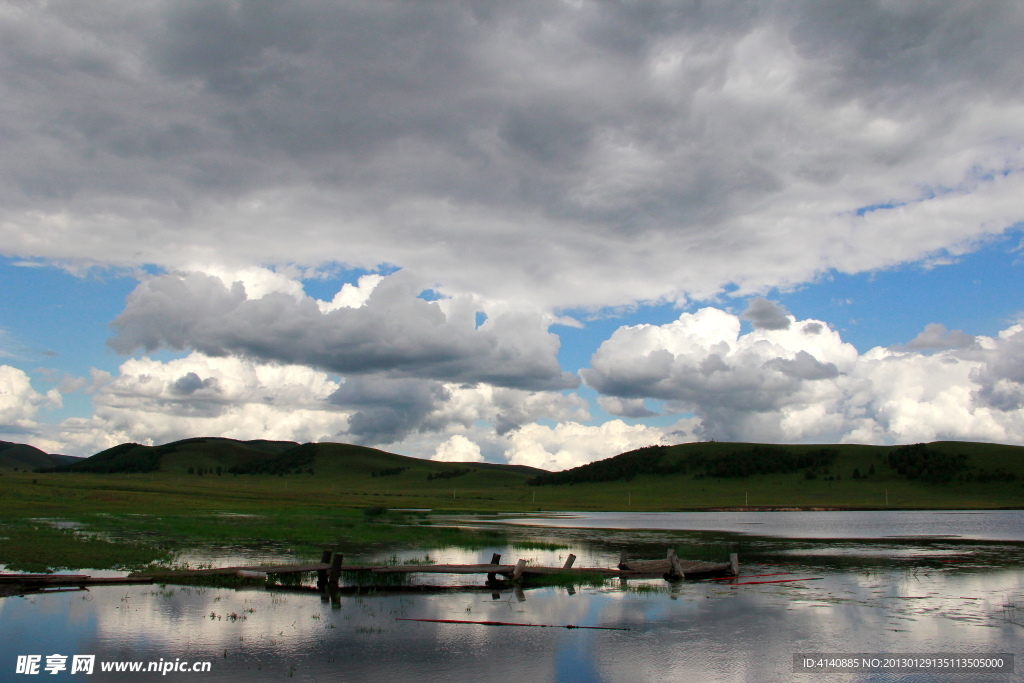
{"points": [[537, 545], [564, 579], [40, 547]]}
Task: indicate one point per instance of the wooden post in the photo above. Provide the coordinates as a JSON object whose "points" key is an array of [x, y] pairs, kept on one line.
{"points": [[622, 559], [518, 571], [335, 570], [675, 571], [734, 563], [495, 559], [568, 561], [321, 574]]}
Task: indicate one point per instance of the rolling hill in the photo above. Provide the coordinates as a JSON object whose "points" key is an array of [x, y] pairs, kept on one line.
{"points": [[940, 462], [211, 472], [220, 456], [26, 458]]}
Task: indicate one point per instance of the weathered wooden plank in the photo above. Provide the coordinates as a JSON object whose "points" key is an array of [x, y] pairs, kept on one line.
{"points": [[76, 580], [568, 561]]}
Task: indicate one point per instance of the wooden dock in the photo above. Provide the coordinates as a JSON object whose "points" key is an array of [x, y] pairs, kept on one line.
{"points": [[331, 567]]}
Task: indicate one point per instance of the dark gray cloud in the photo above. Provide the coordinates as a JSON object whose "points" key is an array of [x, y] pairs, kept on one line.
{"points": [[805, 366], [766, 315], [388, 410], [395, 333], [190, 383], [527, 151], [936, 337]]}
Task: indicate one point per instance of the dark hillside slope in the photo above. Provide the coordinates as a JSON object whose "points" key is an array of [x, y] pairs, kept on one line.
{"points": [[177, 456], [25, 457], [938, 462], [219, 456]]}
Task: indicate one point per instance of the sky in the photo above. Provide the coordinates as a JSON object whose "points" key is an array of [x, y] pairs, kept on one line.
{"points": [[540, 233]]}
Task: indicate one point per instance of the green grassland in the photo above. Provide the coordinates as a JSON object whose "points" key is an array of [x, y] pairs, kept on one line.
{"points": [[305, 497]]}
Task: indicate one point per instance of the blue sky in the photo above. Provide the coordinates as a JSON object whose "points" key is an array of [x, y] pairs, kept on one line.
{"points": [[539, 234]]}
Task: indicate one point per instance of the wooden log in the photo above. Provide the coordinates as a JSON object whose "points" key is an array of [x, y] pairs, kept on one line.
{"points": [[623, 564], [518, 571], [568, 561], [246, 574], [332, 580], [734, 563]]}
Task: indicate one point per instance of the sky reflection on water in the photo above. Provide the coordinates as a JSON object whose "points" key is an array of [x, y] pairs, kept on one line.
{"points": [[883, 596]]}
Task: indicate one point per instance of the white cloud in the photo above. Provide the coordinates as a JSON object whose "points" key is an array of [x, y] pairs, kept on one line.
{"points": [[804, 384], [533, 153], [570, 444], [352, 296], [458, 449], [151, 401], [19, 402]]}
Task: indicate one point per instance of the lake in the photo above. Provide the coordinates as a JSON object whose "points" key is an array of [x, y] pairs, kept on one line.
{"points": [[932, 583]]}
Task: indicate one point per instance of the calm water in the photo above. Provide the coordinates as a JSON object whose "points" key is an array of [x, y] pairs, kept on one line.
{"points": [[877, 594], [997, 525]]}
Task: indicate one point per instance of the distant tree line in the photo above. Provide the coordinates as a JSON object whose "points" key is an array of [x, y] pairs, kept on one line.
{"points": [[738, 464], [388, 471], [292, 461], [918, 462], [449, 474]]}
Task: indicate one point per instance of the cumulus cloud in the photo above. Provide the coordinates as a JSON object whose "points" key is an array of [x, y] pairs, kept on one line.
{"points": [[458, 449], [784, 385], [19, 402], [392, 332], [570, 142], [152, 401], [570, 444]]}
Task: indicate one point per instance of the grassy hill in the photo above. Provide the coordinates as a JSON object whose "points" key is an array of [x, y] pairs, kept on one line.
{"points": [[22, 457], [220, 457], [224, 474], [740, 475]]}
